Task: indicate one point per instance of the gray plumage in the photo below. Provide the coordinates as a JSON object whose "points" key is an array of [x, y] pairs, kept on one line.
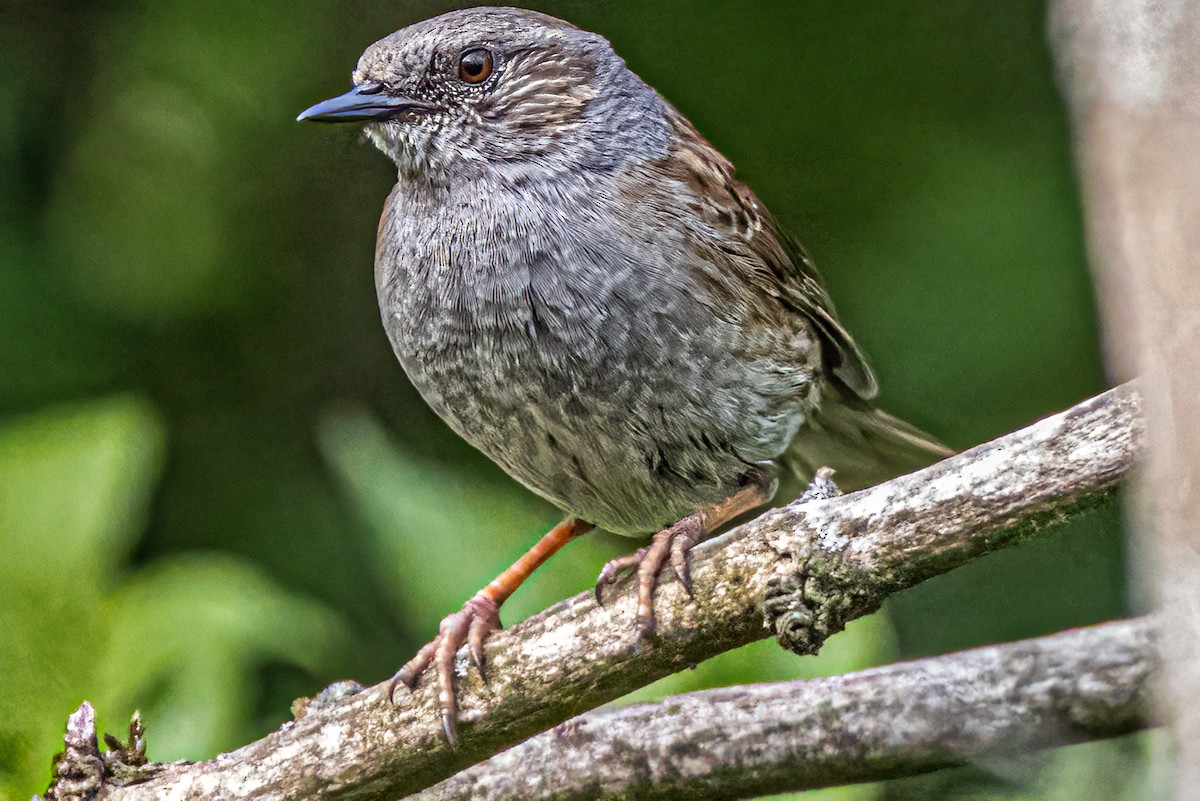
{"points": [[575, 281]]}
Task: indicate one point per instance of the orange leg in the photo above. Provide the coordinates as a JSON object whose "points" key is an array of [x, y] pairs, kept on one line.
{"points": [[676, 541], [478, 619]]}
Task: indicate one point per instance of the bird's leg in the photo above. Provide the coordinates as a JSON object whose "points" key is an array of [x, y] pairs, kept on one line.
{"points": [[476, 621], [676, 541]]}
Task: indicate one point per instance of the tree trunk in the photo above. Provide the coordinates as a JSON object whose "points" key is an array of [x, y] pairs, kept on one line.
{"points": [[1131, 72]]}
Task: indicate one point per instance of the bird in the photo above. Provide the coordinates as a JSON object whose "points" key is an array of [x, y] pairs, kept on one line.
{"points": [[575, 281]]}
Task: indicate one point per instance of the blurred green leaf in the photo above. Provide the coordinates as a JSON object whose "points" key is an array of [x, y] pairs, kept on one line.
{"points": [[145, 250], [186, 637], [74, 484], [146, 213], [183, 636], [437, 535]]}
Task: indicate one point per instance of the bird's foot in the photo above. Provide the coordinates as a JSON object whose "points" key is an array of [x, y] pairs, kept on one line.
{"points": [[472, 625], [674, 542], [478, 619]]}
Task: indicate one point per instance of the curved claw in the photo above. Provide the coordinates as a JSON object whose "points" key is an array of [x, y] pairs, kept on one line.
{"points": [[485, 621], [475, 637], [613, 568]]}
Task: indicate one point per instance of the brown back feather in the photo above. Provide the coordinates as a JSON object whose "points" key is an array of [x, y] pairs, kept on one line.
{"points": [[775, 265]]}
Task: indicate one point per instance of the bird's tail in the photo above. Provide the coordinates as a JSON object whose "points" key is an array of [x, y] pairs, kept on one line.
{"points": [[864, 446]]}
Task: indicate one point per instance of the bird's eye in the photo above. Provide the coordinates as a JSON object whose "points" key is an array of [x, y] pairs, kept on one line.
{"points": [[475, 66]]}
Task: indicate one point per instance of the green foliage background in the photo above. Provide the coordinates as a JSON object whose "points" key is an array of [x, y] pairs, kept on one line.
{"points": [[217, 489]]}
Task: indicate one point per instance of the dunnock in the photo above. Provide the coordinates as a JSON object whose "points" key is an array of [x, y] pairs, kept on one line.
{"points": [[577, 283]]}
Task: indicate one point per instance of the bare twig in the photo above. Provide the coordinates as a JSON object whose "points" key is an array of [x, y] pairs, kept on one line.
{"points": [[79, 769], [808, 568], [885, 723], [1132, 74]]}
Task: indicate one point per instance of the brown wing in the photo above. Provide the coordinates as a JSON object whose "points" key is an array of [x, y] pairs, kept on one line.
{"points": [[766, 262]]}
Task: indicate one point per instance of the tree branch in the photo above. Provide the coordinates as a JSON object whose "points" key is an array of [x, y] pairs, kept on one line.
{"points": [[809, 568], [885, 723]]}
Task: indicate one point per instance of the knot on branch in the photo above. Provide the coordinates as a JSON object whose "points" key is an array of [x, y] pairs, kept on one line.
{"points": [[326, 699], [808, 604], [809, 599]]}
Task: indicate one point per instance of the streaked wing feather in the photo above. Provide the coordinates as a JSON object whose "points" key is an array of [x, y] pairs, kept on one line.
{"points": [[774, 265]]}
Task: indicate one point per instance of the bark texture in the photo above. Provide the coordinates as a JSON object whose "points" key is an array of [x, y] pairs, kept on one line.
{"points": [[801, 571], [884, 723]]}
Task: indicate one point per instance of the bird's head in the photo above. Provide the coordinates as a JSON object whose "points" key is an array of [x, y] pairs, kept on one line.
{"points": [[493, 89]]}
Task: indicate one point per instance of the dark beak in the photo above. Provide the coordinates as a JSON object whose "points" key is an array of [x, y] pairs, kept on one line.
{"points": [[363, 103]]}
